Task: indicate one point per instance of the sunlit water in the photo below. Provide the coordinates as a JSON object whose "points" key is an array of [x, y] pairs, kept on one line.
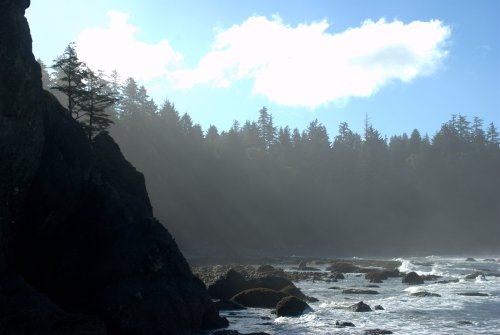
{"points": [[402, 314]]}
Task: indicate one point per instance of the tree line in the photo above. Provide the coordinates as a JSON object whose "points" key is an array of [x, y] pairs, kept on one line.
{"points": [[257, 188]]}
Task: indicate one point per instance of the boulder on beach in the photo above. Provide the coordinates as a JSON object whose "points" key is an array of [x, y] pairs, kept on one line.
{"points": [[358, 291], [271, 282], [266, 268], [448, 281], [294, 291], [291, 306], [377, 332], [235, 332], [259, 298], [379, 276], [343, 267], [360, 307], [473, 294], [378, 308], [412, 278], [227, 285], [337, 276], [474, 275], [228, 305], [464, 322], [424, 294], [343, 324]]}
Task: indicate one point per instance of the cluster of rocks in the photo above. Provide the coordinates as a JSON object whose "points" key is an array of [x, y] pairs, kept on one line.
{"points": [[266, 286], [234, 291], [209, 274]]}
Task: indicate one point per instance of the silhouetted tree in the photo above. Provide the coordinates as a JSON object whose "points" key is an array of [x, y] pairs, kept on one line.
{"points": [[267, 130], [492, 136], [69, 74], [169, 113], [93, 102]]}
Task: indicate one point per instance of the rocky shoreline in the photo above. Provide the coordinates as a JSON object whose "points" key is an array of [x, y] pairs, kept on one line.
{"points": [[241, 286], [228, 282], [262, 267]]}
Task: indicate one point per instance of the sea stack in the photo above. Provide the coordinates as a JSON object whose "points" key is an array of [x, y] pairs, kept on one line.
{"points": [[80, 250]]}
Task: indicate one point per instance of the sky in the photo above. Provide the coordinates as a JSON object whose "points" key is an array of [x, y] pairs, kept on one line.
{"points": [[404, 64]]}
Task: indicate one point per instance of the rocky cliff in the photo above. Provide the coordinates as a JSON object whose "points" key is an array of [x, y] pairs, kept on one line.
{"points": [[80, 251]]}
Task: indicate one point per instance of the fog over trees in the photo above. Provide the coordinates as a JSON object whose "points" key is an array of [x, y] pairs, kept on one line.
{"points": [[259, 188]]}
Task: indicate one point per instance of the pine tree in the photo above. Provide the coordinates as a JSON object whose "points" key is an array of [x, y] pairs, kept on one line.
{"points": [[492, 135], [169, 114], [69, 73], [93, 103], [266, 128]]}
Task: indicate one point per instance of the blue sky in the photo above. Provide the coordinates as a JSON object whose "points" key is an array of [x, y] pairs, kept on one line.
{"points": [[407, 64]]}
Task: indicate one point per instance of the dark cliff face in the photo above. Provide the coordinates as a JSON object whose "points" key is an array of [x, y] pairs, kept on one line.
{"points": [[80, 251]]}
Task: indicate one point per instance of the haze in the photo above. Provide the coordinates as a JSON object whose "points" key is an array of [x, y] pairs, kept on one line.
{"points": [[343, 128]]}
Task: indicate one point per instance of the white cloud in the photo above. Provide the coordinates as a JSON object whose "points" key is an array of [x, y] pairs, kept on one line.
{"points": [[308, 66], [116, 48]]}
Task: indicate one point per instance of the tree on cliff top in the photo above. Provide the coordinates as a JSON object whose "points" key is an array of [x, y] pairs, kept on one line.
{"points": [[88, 93], [69, 73], [93, 103]]}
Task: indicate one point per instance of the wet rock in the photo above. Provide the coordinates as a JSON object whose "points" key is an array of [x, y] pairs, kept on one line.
{"points": [[266, 268], [475, 275], [337, 276], [232, 283], [235, 332], [292, 290], [360, 307], [343, 267], [489, 260], [412, 278], [377, 332], [379, 276], [448, 281], [378, 308], [425, 294], [430, 277], [259, 298], [271, 282], [344, 324], [470, 259], [228, 285], [358, 291], [473, 294], [372, 286], [228, 305], [464, 322], [291, 306], [335, 288]]}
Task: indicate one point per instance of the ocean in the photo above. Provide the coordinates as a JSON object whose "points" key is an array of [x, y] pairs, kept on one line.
{"points": [[449, 313]]}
